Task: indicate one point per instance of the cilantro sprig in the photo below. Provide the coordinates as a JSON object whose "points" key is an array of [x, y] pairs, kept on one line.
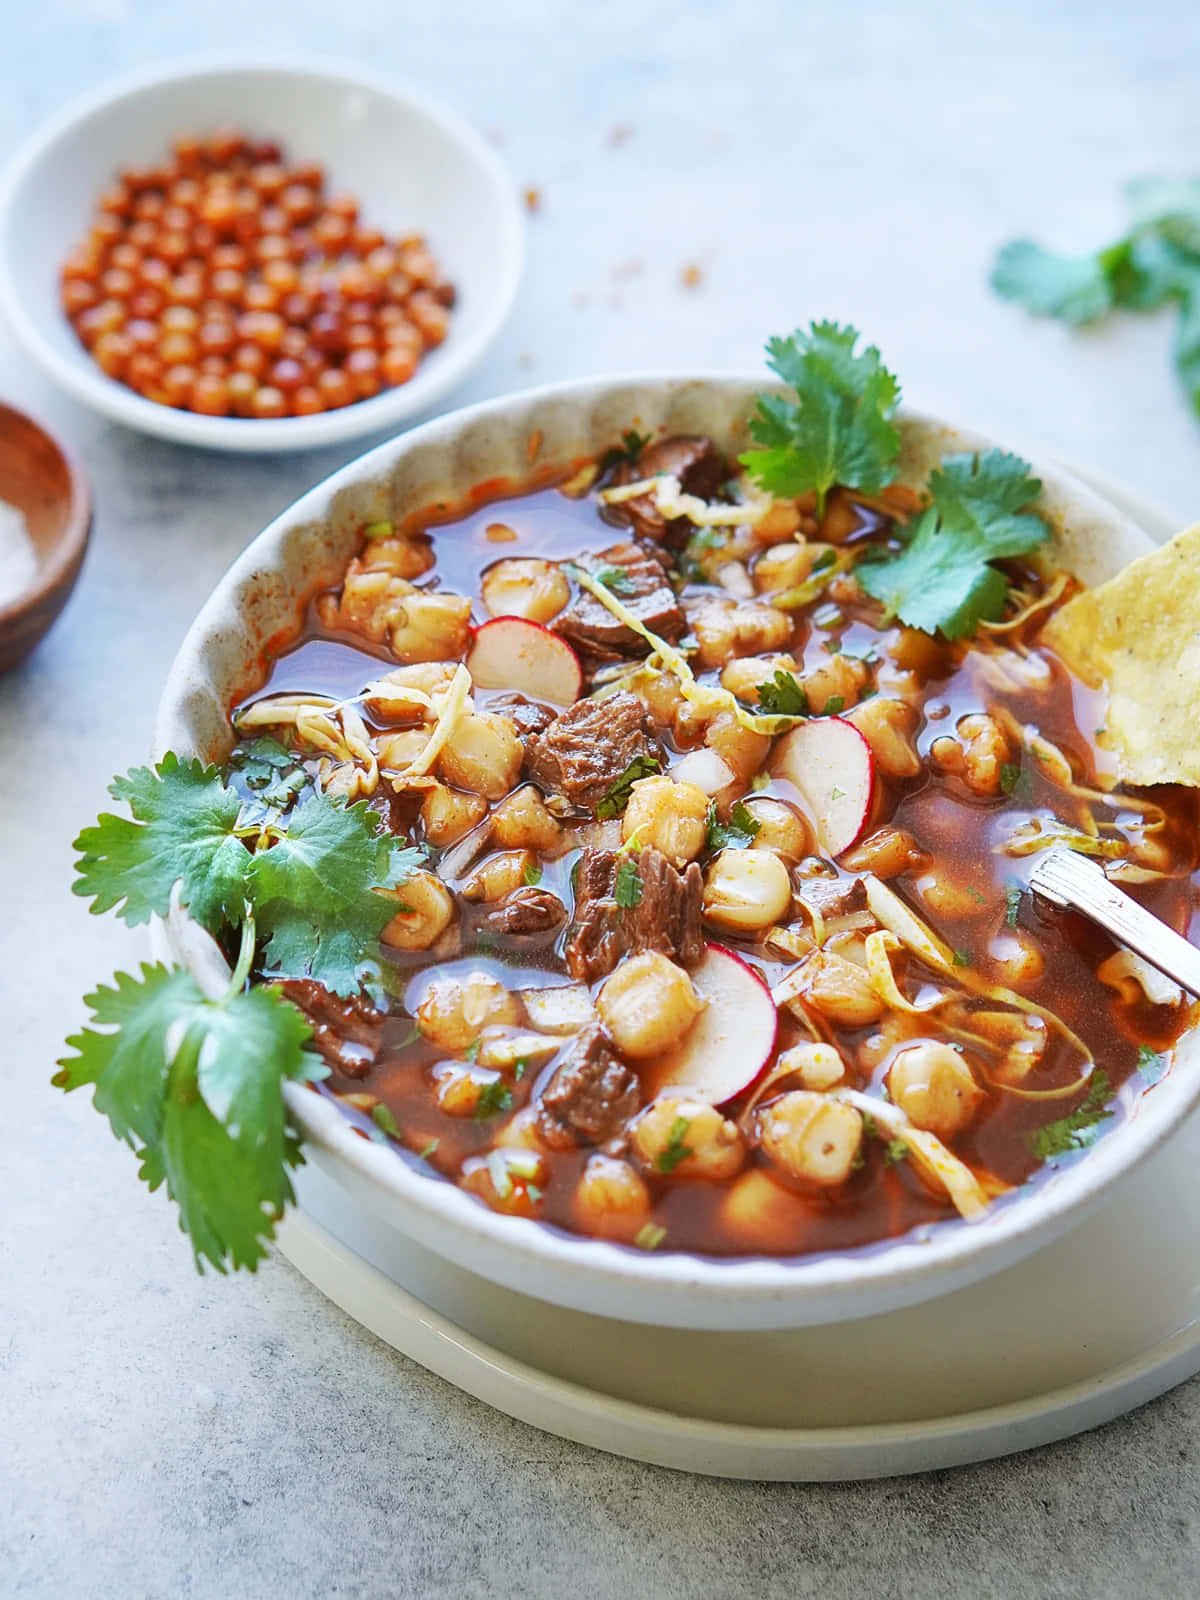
{"points": [[616, 798], [735, 834], [1079, 1128], [942, 579], [838, 429], [195, 1083], [1156, 262]]}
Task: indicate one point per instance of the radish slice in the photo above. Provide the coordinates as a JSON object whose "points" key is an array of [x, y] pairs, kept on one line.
{"points": [[514, 653], [830, 765], [706, 769], [731, 1040]]}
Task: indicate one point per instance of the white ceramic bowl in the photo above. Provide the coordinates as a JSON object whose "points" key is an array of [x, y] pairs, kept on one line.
{"points": [[266, 590], [415, 166]]}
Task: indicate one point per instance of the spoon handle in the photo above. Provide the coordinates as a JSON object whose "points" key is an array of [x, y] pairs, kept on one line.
{"points": [[1067, 879]]}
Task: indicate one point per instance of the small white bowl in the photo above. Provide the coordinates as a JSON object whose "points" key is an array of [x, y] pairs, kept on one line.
{"points": [[263, 598], [415, 166]]}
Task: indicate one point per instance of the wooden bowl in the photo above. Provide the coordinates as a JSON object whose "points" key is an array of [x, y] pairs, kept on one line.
{"points": [[42, 480]]}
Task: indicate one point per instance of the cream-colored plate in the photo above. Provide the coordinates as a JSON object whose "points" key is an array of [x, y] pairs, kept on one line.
{"points": [[1099, 1322]]}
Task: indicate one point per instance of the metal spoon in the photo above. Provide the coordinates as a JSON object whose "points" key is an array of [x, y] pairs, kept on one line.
{"points": [[1067, 879]]}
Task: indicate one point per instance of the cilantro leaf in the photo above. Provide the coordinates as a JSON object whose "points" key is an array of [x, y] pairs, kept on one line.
{"points": [[631, 446], [181, 831], [1013, 894], [649, 1236], [894, 1150], [494, 1098], [273, 774], [1076, 289], [627, 887], [838, 428], [674, 1151], [194, 1085], [736, 834], [318, 893], [942, 578], [383, 1119], [613, 803], [615, 579], [1150, 1065], [1078, 1128], [783, 695]]}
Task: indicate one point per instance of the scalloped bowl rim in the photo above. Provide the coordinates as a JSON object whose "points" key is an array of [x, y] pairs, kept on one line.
{"points": [[78, 375], [591, 1274]]}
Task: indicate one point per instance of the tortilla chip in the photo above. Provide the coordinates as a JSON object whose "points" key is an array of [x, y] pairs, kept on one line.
{"points": [[1138, 635]]}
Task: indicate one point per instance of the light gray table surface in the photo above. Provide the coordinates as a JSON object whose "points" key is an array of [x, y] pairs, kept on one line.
{"points": [[163, 1434]]}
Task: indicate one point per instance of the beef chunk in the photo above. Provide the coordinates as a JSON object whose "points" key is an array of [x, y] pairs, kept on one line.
{"points": [[585, 750], [698, 465], [834, 897], [347, 1031], [666, 918], [526, 716], [592, 1094], [644, 590], [528, 910]]}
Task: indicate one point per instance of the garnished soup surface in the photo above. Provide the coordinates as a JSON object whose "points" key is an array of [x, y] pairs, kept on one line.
{"points": [[715, 933]]}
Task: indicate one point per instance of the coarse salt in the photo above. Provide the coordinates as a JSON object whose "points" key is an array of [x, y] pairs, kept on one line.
{"points": [[18, 556]]}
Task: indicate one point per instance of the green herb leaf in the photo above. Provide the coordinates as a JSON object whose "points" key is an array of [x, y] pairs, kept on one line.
{"points": [[1078, 1128], [1150, 1064], [942, 579], [675, 1150], [631, 446], [383, 1119], [838, 428], [782, 695], [649, 1236], [833, 706], [613, 803], [274, 775], [494, 1098], [471, 1053], [429, 1149], [1076, 289], [616, 579], [736, 834], [977, 895], [894, 1150], [532, 875], [194, 1086], [627, 886], [961, 958], [182, 831], [1013, 894]]}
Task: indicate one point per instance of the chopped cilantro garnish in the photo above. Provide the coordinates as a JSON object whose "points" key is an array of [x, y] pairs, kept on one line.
{"points": [[1009, 773], [894, 1150], [833, 647], [783, 695], [471, 1053], [382, 529], [631, 446], [627, 887], [1150, 1064], [961, 958], [1013, 893], [1078, 1128], [735, 834], [675, 1150], [977, 895], [616, 799], [650, 1236], [824, 561], [616, 579], [943, 578], [833, 706], [520, 1068], [534, 1193], [759, 782], [532, 874], [870, 1126], [494, 1098], [838, 427], [837, 794], [429, 1149], [382, 1117]]}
